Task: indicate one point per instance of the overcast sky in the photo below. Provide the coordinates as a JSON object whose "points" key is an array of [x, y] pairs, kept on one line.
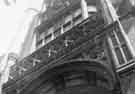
{"points": [[14, 23]]}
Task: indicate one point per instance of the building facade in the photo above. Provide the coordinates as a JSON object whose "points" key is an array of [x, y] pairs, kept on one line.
{"points": [[84, 47]]}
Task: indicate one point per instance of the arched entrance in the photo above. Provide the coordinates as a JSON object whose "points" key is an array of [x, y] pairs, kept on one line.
{"points": [[75, 77]]}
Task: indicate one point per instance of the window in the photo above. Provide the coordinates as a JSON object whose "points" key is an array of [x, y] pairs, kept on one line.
{"points": [[92, 9], [77, 12], [39, 43], [127, 52], [57, 32], [48, 38], [78, 17], [114, 41], [50, 30], [119, 56], [68, 18], [121, 49], [42, 35], [68, 24], [119, 34]]}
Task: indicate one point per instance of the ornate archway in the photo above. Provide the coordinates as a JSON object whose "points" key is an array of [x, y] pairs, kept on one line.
{"points": [[74, 77]]}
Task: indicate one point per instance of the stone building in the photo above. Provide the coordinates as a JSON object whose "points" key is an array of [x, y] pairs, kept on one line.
{"points": [[85, 47]]}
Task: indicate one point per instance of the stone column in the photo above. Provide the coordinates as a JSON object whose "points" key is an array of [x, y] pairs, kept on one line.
{"points": [[84, 9]]}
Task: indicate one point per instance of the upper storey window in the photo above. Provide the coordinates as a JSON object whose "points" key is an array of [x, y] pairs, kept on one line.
{"points": [[45, 37], [48, 36], [92, 10], [77, 12], [39, 43], [50, 30], [77, 16], [57, 32], [67, 23]]}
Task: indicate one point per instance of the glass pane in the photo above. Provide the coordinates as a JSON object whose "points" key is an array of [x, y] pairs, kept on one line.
{"points": [[127, 52], [48, 38], [120, 36], [67, 24], [119, 56], [57, 32], [77, 18], [39, 43], [114, 41]]}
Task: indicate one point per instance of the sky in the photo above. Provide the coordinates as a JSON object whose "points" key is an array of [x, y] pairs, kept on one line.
{"points": [[14, 20]]}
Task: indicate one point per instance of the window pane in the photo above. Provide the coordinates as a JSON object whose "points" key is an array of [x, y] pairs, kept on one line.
{"points": [[120, 36], [67, 24], [127, 52], [78, 17], [39, 43], [57, 32], [48, 38], [114, 41], [119, 56]]}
